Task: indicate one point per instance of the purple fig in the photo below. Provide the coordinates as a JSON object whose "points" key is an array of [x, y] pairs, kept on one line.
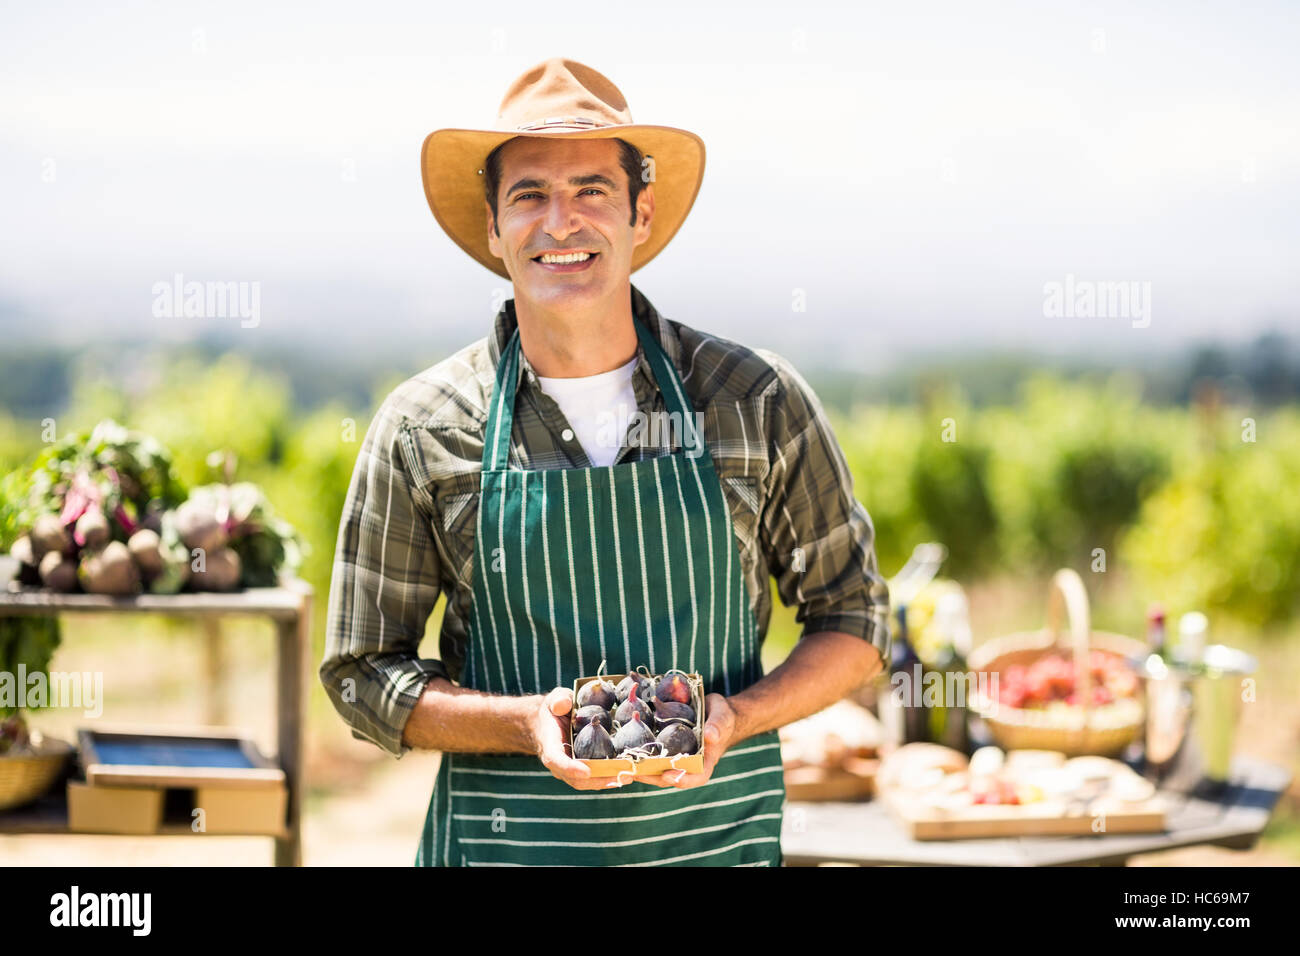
{"points": [[593, 743], [675, 686], [669, 711], [678, 739], [632, 734], [645, 687], [592, 712], [631, 706], [599, 692]]}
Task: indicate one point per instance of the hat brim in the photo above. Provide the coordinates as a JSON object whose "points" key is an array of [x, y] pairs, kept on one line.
{"points": [[451, 165]]}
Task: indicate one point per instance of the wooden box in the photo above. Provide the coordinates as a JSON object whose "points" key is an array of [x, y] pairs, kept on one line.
{"points": [[647, 766], [137, 810], [136, 774], [227, 810]]}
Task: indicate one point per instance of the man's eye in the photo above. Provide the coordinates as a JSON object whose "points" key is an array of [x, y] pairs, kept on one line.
{"points": [[526, 195], [593, 189]]}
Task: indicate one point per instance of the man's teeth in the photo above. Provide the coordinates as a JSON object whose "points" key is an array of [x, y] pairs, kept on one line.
{"points": [[561, 260]]}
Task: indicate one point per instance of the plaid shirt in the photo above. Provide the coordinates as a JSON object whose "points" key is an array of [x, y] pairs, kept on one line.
{"points": [[408, 525]]}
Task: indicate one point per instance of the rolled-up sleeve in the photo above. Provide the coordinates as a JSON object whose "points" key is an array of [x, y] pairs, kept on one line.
{"points": [[817, 537], [384, 585]]}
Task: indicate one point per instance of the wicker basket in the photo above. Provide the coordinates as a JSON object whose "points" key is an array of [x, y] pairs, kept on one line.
{"points": [[25, 777], [1087, 729]]}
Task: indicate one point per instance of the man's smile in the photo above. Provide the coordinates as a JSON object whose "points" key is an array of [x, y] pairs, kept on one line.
{"points": [[566, 261]]}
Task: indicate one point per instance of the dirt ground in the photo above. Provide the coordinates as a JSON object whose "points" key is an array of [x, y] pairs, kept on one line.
{"points": [[364, 808]]}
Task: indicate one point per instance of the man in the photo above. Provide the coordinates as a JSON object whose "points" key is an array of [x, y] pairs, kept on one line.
{"points": [[564, 545]]}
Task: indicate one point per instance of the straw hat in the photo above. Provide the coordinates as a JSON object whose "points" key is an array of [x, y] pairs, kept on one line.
{"points": [[558, 98]]}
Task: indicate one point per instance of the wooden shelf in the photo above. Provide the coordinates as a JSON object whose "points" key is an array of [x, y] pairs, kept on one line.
{"points": [[49, 815], [289, 606], [283, 602]]}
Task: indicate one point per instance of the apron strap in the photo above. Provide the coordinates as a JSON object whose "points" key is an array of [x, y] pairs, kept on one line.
{"points": [[501, 414]]}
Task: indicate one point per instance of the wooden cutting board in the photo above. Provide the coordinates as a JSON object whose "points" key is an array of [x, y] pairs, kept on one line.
{"points": [[855, 780], [1052, 817]]}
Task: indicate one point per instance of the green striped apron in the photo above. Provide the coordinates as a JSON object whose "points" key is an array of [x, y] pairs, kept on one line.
{"points": [[629, 564]]}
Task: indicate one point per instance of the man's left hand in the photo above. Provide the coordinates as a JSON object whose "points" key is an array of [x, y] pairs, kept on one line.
{"points": [[720, 729]]}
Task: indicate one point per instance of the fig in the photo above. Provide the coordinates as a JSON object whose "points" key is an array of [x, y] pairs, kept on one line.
{"points": [[58, 573], [669, 711], [644, 687], [678, 739], [632, 734], [109, 570], [599, 692], [585, 715], [593, 743], [145, 549], [633, 705], [49, 534], [92, 529], [675, 686]]}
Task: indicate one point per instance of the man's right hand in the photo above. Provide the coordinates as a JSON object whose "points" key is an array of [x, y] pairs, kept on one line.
{"points": [[550, 730]]}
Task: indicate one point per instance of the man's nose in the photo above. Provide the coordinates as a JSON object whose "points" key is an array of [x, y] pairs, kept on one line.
{"points": [[561, 218]]}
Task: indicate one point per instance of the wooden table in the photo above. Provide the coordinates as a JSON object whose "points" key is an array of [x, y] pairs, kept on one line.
{"points": [[866, 834], [288, 605]]}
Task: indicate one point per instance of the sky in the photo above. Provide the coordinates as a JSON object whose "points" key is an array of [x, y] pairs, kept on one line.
{"points": [[918, 175]]}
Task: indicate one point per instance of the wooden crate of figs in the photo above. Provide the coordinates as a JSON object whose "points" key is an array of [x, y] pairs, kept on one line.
{"points": [[638, 723]]}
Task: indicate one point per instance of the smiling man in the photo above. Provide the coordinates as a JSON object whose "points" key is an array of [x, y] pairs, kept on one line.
{"points": [[489, 478]]}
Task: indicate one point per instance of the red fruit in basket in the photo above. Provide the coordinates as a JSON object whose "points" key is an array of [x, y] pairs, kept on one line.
{"points": [[674, 687], [1122, 683], [1101, 695], [598, 692]]}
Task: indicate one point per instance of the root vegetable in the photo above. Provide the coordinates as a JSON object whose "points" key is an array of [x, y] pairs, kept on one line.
{"points": [[146, 549], [58, 573], [198, 527], [28, 575], [109, 571], [22, 550], [92, 529], [49, 534], [220, 572]]}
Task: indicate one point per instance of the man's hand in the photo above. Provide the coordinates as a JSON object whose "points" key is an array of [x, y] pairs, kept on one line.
{"points": [[550, 732], [720, 727]]}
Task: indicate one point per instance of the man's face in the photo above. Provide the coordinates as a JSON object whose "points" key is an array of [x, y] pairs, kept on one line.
{"points": [[566, 196]]}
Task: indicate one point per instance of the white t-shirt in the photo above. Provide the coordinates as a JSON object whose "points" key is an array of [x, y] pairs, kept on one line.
{"points": [[598, 408]]}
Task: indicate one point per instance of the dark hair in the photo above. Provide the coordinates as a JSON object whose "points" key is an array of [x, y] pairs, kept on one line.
{"points": [[629, 158]]}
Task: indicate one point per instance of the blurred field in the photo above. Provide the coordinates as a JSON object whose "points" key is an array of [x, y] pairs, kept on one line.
{"points": [[1187, 504]]}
